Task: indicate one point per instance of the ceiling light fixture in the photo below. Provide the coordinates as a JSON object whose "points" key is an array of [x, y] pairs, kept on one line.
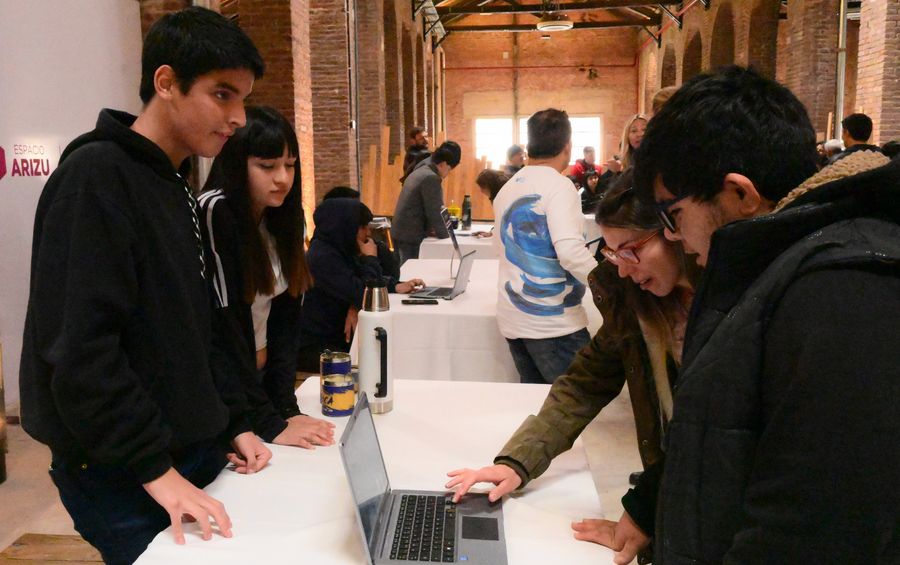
{"points": [[553, 20]]}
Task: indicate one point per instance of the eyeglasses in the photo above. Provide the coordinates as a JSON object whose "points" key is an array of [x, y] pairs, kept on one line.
{"points": [[665, 217], [627, 254]]}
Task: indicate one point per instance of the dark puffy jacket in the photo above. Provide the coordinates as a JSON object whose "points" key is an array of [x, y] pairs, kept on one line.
{"points": [[784, 446], [339, 272]]}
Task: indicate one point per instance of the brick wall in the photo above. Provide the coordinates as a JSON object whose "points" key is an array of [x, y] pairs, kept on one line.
{"points": [[152, 10], [408, 78], [393, 93], [334, 145], [878, 82], [371, 74], [481, 68], [268, 23]]}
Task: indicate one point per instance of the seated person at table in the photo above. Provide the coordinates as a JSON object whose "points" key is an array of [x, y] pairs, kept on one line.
{"points": [[544, 263], [342, 257], [590, 193], [515, 160], [418, 212], [390, 266], [252, 224], [632, 134], [643, 290], [490, 182]]}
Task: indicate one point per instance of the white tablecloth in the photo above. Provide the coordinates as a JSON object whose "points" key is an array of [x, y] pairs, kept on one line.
{"points": [[455, 340], [300, 510], [434, 248]]}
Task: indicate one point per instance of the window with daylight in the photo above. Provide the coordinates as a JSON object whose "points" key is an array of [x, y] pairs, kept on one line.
{"points": [[493, 136]]}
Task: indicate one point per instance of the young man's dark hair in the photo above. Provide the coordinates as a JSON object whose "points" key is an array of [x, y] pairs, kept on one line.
{"points": [[748, 125], [548, 133], [194, 42], [859, 126], [449, 152], [891, 149]]}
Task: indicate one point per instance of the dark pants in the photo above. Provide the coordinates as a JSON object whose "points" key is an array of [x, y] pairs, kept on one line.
{"points": [[110, 508], [543, 360], [407, 251]]}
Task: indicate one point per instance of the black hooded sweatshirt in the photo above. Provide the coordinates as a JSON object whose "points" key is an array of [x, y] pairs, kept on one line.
{"points": [[339, 272], [117, 363]]}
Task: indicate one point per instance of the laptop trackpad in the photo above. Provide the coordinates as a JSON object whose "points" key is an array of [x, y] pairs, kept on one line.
{"points": [[480, 528]]}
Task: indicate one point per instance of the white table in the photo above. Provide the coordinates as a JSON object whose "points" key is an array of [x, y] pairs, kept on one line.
{"points": [[434, 248], [456, 340], [300, 510], [591, 231]]}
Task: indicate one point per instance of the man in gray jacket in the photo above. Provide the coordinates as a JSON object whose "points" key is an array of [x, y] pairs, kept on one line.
{"points": [[418, 212]]}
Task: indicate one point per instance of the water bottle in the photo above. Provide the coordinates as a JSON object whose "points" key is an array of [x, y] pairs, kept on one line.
{"points": [[466, 217], [373, 331]]}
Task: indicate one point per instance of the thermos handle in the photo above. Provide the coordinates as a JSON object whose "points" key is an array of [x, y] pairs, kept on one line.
{"points": [[381, 386]]}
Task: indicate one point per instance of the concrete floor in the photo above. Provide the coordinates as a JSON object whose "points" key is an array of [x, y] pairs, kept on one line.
{"points": [[29, 502]]}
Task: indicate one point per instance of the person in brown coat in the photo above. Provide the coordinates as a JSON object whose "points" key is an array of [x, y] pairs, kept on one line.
{"points": [[643, 290]]}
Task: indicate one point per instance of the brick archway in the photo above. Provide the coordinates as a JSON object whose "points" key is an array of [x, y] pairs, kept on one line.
{"points": [[692, 58], [764, 37], [669, 74], [721, 50]]}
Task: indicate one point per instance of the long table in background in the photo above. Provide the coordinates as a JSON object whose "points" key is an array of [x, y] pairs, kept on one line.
{"points": [[484, 248], [455, 340], [300, 510]]}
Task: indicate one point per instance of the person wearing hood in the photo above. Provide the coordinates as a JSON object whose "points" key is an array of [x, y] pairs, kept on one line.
{"points": [[118, 374], [418, 212], [783, 445], [342, 257]]}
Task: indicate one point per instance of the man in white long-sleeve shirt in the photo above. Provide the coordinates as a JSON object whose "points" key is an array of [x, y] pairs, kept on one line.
{"points": [[544, 263]]}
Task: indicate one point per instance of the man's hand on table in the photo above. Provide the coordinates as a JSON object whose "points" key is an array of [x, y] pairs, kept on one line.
{"points": [[409, 286], [181, 499], [306, 432], [250, 454], [623, 537], [503, 476]]}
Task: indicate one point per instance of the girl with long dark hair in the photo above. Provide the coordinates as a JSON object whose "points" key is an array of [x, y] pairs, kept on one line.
{"points": [[253, 227]]}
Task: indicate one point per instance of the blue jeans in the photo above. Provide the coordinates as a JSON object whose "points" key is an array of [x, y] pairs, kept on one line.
{"points": [[541, 361], [110, 508]]}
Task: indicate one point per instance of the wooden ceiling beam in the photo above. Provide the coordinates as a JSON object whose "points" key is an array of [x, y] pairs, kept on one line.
{"points": [[576, 25], [468, 10]]}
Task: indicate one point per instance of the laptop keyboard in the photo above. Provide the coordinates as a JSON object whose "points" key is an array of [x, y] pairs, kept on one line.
{"points": [[425, 530], [441, 292]]}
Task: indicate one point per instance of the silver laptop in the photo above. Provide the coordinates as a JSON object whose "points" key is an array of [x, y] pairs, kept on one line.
{"points": [[459, 285], [401, 526]]}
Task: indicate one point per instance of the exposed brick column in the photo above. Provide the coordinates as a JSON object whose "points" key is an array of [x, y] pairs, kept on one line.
{"points": [[334, 144], [878, 81], [421, 90], [393, 94], [268, 23], [303, 109], [812, 56], [371, 73], [762, 36], [408, 74]]}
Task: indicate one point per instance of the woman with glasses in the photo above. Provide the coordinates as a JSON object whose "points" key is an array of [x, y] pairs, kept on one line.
{"points": [[643, 289]]}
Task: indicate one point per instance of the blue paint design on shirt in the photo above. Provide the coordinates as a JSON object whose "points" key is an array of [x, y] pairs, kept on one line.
{"points": [[527, 245]]}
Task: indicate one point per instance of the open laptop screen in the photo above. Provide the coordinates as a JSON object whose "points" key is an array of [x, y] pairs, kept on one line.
{"points": [[365, 468]]}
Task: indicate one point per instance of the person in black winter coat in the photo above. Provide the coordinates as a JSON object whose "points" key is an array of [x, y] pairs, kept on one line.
{"points": [[253, 230], [783, 446], [342, 257], [119, 376]]}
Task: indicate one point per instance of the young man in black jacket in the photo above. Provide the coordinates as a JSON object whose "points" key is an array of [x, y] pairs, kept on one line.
{"points": [[119, 376], [783, 446]]}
